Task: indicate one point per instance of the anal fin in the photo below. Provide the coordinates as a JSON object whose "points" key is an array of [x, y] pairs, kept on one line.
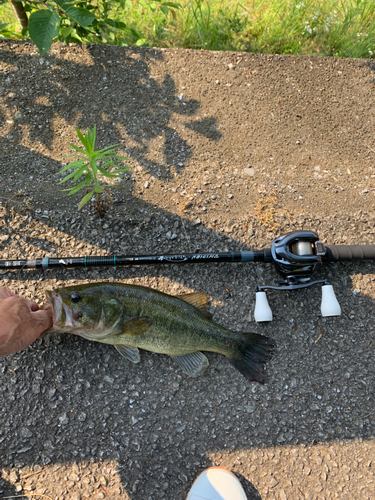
{"points": [[192, 364], [129, 353]]}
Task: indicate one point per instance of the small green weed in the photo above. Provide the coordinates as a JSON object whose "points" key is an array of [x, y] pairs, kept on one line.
{"points": [[95, 166]]}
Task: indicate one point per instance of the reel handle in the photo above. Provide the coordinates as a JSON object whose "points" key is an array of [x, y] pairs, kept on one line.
{"points": [[330, 305], [262, 311]]}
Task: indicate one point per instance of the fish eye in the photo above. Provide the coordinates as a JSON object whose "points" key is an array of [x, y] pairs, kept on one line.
{"points": [[75, 297]]}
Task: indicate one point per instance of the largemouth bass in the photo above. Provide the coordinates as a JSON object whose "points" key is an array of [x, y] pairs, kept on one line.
{"points": [[131, 317]]}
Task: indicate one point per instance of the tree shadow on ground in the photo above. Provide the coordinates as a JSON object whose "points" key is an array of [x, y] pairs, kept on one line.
{"points": [[131, 105]]}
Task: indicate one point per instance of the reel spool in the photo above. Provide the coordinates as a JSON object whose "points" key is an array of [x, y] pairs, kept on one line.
{"points": [[296, 256]]}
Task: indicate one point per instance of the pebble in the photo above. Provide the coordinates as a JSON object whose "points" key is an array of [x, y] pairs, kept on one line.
{"points": [[249, 171], [170, 235], [26, 433], [14, 476]]}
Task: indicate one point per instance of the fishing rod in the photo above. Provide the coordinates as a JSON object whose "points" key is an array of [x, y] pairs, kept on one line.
{"points": [[295, 255]]}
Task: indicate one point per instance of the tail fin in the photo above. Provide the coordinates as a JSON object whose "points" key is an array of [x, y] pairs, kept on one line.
{"points": [[252, 352]]}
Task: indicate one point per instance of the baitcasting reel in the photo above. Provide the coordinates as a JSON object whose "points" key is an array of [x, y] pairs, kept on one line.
{"points": [[296, 256]]}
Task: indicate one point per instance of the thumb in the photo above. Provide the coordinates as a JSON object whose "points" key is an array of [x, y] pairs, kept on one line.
{"points": [[43, 319]]}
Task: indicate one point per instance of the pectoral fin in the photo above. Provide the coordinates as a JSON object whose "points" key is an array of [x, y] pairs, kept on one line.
{"points": [[192, 364], [199, 301], [130, 353], [136, 326]]}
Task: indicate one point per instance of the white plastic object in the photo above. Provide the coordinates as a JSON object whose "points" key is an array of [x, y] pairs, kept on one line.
{"points": [[330, 305], [216, 483], [262, 311]]}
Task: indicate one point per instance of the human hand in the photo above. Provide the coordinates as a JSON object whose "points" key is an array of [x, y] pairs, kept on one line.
{"points": [[21, 322]]}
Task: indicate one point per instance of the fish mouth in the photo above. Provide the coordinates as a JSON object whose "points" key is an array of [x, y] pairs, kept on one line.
{"points": [[56, 305], [62, 316]]}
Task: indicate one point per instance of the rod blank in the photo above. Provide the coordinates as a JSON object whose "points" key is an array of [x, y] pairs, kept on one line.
{"points": [[137, 260]]}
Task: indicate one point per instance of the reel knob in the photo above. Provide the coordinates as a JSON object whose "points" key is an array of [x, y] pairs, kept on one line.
{"points": [[262, 311], [329, 305]]}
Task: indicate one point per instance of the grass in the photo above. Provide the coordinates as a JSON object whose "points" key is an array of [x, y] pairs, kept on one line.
{"points": [[339, 28]]}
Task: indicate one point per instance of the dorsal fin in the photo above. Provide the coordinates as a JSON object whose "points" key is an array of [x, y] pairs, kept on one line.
{"points": [[199, 301]]}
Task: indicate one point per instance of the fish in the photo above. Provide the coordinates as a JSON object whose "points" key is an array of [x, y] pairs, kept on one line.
{"points": [[132, 317]]}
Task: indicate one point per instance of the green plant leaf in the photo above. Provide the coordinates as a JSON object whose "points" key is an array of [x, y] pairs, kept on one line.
{"points": [[66, 31], [43, 28], [80, 150], [81, 137], [69, 176], [98, 189], [120, 170], [88, 140], [92, 137], [118, 157], [107, 151], [64, 3], [93, 167], [79, 174], [77, 188], [73, 165], [85, 199], [113, 146], [141, 42], [115, 24], [174, 5], [126, 4], [133, 32], [83, 16], [75, 38], [104, 171]]}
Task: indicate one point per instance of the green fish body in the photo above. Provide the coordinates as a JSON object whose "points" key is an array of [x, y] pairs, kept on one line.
{"points": [[131, 317]]}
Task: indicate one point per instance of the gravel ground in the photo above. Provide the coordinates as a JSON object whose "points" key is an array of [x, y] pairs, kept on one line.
{"points": [[228, 152]]}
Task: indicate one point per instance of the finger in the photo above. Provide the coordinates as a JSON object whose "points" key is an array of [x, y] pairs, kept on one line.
{"points": [[5, 293], [43, 319], [33, 306]]}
